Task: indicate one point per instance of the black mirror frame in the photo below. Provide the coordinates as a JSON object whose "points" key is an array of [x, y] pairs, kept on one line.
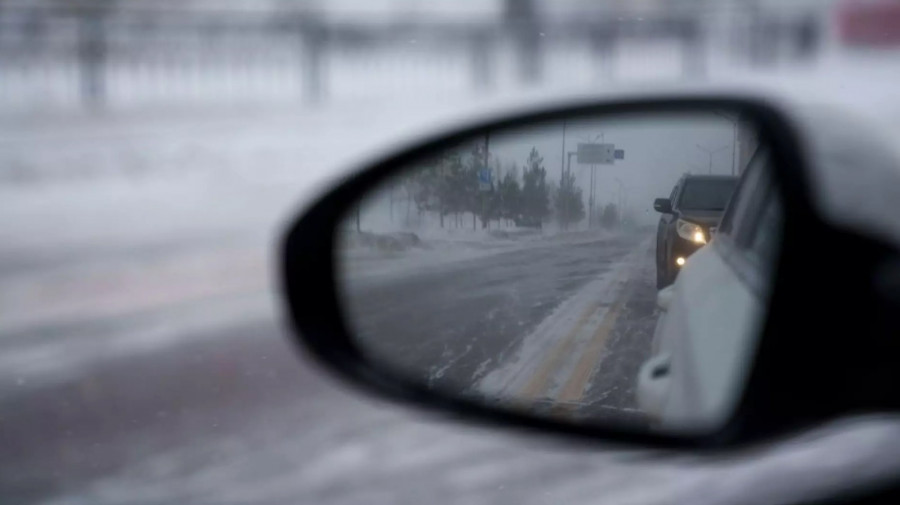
{"points": [[312, 303]]}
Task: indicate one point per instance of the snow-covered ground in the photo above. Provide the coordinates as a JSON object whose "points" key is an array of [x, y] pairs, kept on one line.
{"points": [[385, 458], [549, 353]]}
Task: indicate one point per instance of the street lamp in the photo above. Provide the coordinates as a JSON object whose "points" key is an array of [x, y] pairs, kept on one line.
{"points": [[623, 199], [710, 152]]}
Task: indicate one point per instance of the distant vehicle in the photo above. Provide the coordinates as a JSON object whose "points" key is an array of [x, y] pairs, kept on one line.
{"points": [[694, 367], [689, 217], [528, 222]]}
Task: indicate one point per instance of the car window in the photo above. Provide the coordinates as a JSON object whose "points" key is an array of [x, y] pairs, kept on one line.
{"points": [[763, 244], [706, 194], [739, 210]]}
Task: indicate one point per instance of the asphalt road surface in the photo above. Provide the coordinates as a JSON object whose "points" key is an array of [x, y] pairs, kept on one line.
{"points": [[451, 326]]}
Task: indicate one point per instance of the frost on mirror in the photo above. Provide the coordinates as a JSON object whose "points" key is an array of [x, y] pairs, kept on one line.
{"points": [[600, 269]]}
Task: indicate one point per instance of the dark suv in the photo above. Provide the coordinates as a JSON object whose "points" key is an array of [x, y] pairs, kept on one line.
{"points": [[689, 215]]}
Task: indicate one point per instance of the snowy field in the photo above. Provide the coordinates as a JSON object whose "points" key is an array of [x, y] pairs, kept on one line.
{"points": [[129, 233]]}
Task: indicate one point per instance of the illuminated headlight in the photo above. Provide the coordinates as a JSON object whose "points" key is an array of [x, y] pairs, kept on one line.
{"points": [[679, 261], [690, 231]]}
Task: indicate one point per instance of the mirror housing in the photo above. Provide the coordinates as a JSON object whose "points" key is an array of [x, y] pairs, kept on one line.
{"points": [[662, 205], [776, 401]]}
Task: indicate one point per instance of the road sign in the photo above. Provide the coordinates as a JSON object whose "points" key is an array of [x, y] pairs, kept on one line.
{"points": [[484, 180], [596, 154], [619, 154]]}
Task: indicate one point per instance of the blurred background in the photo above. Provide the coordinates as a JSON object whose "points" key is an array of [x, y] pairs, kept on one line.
{"points": [[127, 54], [151, 151]]}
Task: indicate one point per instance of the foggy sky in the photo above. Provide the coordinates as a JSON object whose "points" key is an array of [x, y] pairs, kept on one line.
{"points": [[657, 152]]}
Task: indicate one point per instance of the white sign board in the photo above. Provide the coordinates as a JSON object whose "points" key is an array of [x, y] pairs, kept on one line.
{"points": [[596, 154]]}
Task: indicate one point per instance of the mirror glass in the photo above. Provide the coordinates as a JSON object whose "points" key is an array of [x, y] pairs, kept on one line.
{"points": [[598, 269]]}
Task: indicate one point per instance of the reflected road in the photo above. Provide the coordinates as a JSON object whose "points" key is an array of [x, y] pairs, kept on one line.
{"points": [[567, 323]]}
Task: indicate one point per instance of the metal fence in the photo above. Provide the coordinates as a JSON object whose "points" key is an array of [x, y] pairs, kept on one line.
{"points": [[103, 54]]}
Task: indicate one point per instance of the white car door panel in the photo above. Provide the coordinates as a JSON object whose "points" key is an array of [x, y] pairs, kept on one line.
{"points": [[708, 330]]}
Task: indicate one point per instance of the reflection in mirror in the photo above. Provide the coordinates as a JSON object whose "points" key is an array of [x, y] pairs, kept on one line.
{"points": [[608, 269]]}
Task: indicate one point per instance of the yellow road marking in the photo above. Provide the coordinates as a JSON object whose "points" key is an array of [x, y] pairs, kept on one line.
{"points": [[540, 380], [575, 387]]}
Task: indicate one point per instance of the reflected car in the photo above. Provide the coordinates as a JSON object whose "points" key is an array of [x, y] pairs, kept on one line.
{"points": [[689, 217], [708, 316]]}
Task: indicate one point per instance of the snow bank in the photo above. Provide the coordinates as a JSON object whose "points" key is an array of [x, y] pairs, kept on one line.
{"points": [[563, 333]]}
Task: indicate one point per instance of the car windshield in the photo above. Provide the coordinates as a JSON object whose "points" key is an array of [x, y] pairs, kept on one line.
{"points": [[707, 194]]}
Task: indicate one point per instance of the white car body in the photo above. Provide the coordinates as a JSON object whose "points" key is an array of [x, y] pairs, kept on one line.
{"points": [[711, 316], [702, 344]]}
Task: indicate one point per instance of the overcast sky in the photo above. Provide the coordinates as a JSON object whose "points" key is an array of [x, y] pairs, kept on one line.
{"points": [[658, 150]]}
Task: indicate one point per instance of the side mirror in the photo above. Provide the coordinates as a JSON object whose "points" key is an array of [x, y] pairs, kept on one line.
{"points": [[479, 273], [662, 205]]}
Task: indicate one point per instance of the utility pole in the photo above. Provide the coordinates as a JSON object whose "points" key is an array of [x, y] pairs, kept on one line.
{"points": [[593, 178], [487, 149], [562, 160], [562, 168], [734, 129], [569, 174], [92, 49], [487, 168], [313, 40], [523, 24], [591, 200]]}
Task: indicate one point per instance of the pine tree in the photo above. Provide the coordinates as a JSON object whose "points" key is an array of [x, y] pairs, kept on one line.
{"points": [[456, 186], [509, 194], [436, 186], [568, 202], [535, 202]]}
